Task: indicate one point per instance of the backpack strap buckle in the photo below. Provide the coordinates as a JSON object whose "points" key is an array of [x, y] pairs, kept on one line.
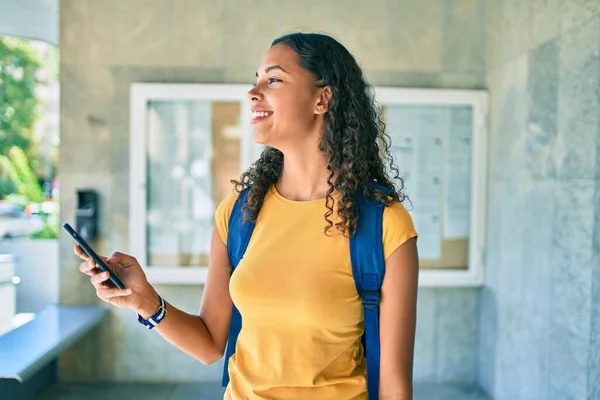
{"points": [[370, 299], [370, 290]]}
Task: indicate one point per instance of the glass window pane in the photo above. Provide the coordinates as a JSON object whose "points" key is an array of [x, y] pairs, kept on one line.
{"points": [[193, 151], [432, 146]]}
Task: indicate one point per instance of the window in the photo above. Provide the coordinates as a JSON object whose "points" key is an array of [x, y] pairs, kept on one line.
{"points": [[439, 142], [187, 143]]}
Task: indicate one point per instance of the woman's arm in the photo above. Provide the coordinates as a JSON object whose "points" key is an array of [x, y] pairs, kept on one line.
{"points": [[202, 336], [398, 316]]}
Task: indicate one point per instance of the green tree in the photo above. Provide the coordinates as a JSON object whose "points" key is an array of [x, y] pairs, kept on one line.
{"points": [[19, 68], [9, 178], [27, 183]]}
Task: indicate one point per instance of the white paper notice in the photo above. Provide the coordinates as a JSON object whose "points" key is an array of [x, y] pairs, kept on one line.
{"points": [[457, 183], [400, 125], [432, 131], [419, 136], [426, 216]]}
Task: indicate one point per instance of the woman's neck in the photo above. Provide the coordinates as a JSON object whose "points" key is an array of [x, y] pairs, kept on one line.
{"points": [[304, 176]]}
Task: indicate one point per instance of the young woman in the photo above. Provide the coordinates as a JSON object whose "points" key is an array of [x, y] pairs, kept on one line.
{"points": [[302, 315]]}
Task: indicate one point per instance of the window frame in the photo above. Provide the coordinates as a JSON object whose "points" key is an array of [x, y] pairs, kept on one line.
{"points": [[473, 275], [140, 95]]}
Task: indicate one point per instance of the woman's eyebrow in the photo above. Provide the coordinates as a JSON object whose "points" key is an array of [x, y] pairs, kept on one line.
{"points": [[271, 68]]}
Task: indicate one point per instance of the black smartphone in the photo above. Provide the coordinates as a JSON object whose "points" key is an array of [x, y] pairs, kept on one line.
{"points": [[88, 250]]}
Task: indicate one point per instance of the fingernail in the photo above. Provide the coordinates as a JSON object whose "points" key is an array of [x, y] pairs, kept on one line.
{"points": [[128, 291]]}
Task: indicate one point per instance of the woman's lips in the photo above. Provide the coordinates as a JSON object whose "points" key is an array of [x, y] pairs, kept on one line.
{"points": [[259, 116]]}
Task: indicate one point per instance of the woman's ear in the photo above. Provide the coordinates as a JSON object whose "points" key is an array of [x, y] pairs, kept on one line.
{"points": [[322, 105]]}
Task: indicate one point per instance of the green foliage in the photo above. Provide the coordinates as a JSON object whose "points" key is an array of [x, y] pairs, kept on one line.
{"points": [[17, 176], [25, 161], [8, 171], [23, 67], [9, 179], [19, 67], [27, 183], [7, 186], [17, 200], [48, 231]]}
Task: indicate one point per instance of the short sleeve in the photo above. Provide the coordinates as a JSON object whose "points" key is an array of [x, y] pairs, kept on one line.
{"points": [[222, 215], [398, 227]]}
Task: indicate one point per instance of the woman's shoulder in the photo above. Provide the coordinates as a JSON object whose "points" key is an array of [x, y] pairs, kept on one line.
{"points": [[226, 205], [398, 227], [223, 212], [396, 213]]}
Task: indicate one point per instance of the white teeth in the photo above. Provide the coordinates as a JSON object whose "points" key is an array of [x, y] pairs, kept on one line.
{"points": [[259, 114]]}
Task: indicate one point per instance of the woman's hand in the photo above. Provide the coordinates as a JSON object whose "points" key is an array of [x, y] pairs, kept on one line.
{"points": [[138, 294]]}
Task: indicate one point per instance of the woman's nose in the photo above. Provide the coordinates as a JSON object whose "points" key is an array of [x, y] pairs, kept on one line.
{"points": [[254, 94]]}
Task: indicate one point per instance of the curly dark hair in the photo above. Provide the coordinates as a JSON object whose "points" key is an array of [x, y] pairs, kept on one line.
{"points": [[355, 140]]}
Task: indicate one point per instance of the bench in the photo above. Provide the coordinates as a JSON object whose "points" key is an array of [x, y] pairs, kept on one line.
{"points": [[29, 352]]}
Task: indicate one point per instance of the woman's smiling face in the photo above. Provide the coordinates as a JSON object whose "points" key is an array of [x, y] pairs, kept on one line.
{"points": [[286, 101]]}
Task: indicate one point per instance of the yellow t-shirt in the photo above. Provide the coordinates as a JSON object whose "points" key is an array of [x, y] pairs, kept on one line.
{"points": [[302, 317]]}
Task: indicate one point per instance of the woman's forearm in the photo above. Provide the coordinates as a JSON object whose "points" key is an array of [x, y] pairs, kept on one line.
{"points": [[185, 331], [399, 389], [397, 395]]}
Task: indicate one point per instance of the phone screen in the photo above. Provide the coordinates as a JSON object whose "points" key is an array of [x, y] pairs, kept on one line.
{"points": [[88, 250]]}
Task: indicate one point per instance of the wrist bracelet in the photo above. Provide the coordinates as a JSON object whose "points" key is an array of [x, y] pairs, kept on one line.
{"points": [[158, 316]]}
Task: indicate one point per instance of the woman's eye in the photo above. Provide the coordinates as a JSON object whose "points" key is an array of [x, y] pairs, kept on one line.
{"points": [[269, 81]]}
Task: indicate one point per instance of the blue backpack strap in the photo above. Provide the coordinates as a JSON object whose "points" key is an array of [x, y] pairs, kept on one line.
{"points": [[239, 232], [368, 268]]}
